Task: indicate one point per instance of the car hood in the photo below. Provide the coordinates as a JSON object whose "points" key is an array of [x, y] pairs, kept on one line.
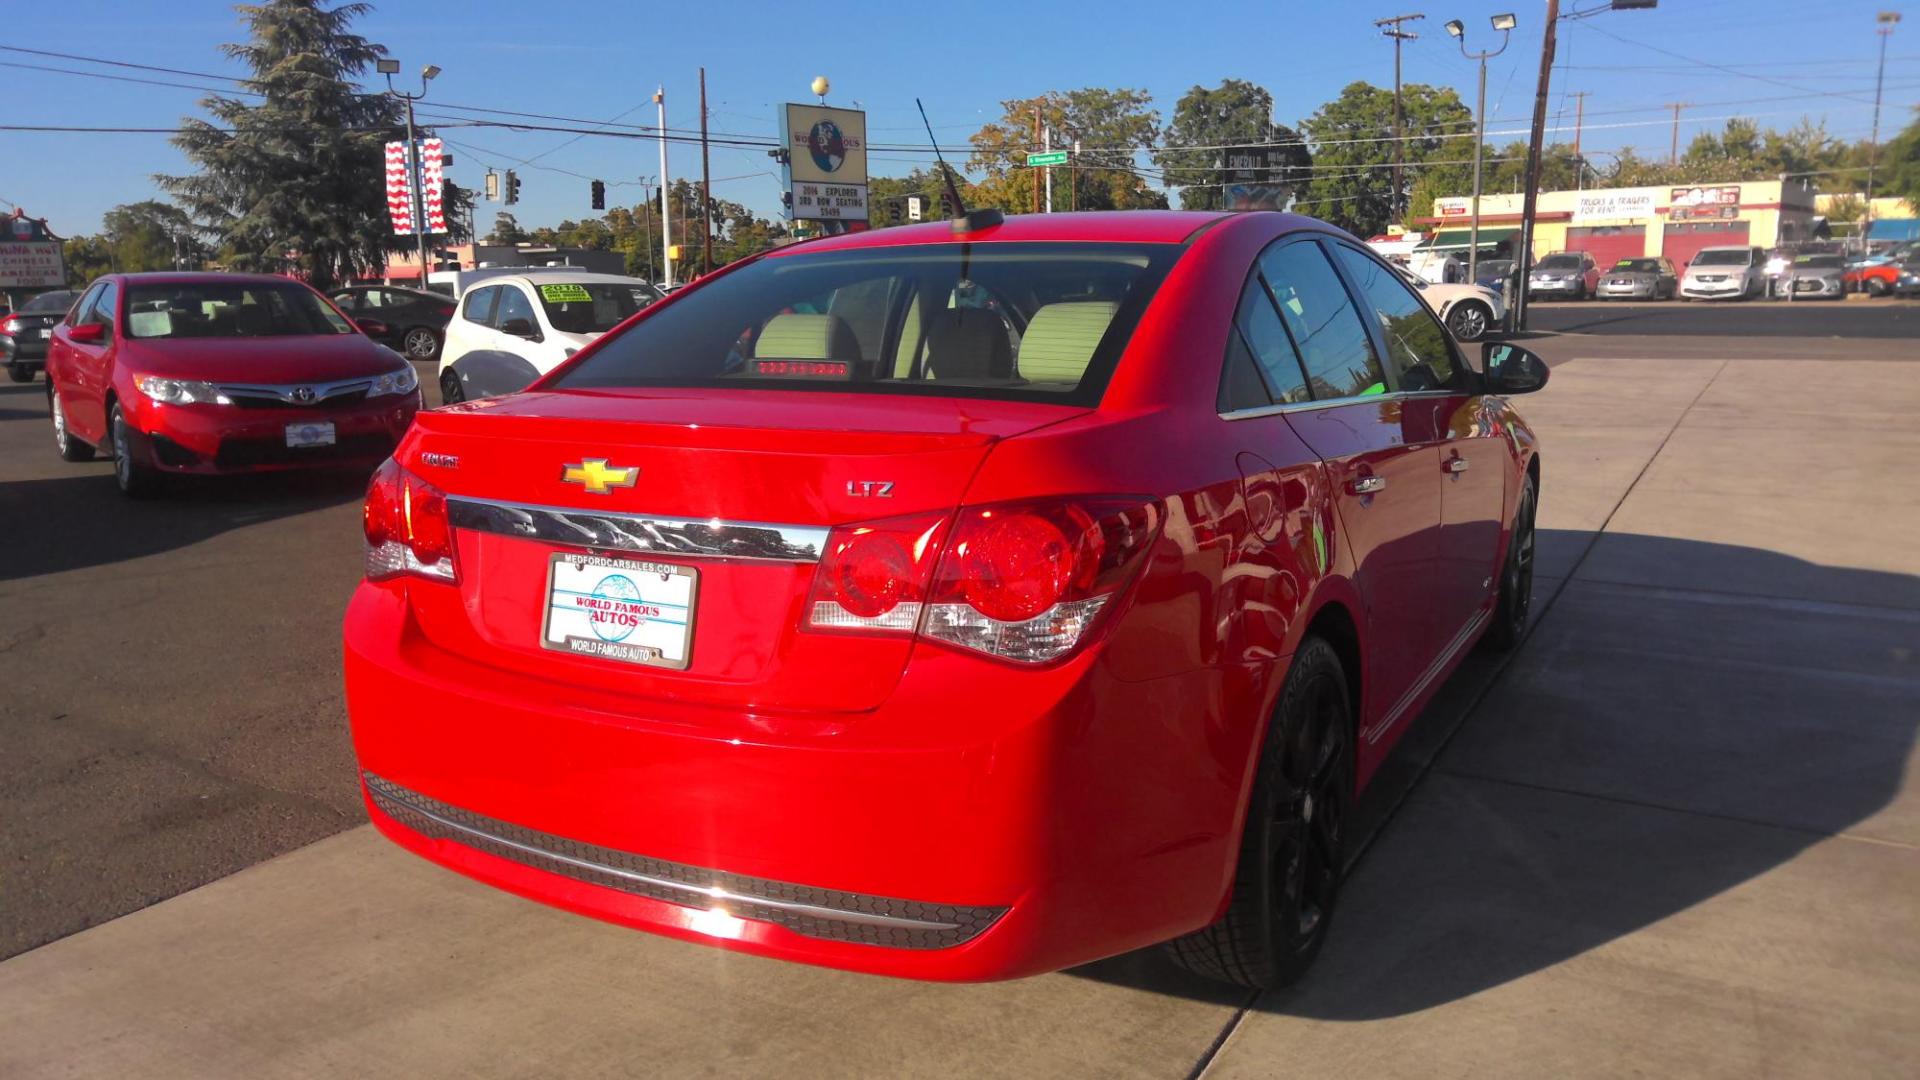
{"points": [[275, 360]]}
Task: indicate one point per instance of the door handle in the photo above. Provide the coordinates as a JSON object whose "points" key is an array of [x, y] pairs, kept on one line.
{"points": [[1455, 465], [1367, 485]]}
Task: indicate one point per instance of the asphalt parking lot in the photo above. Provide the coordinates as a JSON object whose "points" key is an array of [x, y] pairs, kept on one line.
{"points": [[1675, 833]]}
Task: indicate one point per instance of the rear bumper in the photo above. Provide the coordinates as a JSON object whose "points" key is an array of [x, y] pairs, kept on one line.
{"points": [[1002, 822], [225, 439]]}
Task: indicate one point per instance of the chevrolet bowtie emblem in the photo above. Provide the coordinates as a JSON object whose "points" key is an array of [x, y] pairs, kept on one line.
{"points": [[598, 476]]}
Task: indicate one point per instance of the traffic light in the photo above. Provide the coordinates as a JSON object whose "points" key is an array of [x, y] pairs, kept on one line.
{"points": [[599, 195], [896, 211], [513, 188], [493, 186], [946, 205]]}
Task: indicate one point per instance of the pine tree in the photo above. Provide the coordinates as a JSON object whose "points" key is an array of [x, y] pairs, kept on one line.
{"points": [[294, 179]]}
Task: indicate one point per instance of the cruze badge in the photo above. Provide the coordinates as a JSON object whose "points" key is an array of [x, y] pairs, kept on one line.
{"points": [[599, 477]]}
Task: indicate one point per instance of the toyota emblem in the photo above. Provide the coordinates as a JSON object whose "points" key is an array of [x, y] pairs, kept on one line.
{"points": [[303, 395]]}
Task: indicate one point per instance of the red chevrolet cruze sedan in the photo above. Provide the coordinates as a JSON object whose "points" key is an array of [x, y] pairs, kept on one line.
{"points": [[220, 373], [953, 601]]}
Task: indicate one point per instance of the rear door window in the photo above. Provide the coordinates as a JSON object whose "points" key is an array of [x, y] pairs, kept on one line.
{"points": [[1021, 321], [1320, 319], [1257, 321]]}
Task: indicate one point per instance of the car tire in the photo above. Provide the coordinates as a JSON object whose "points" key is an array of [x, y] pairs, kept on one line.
{"points": [[20, 372], [1876, 288], [1288, 875], [68, 444], [420, 343], [451, 392], [1516, 575], [1470, 320], [136, 479]]}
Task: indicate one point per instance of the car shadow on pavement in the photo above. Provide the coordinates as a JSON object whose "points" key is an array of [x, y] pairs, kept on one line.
{"points": [[1683, 718], [82, 520]]}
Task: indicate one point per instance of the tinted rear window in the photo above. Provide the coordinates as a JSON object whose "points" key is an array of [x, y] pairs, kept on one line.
{"points": [[1040, 322], [1560, 262], [51, 303], [1638, 266]]}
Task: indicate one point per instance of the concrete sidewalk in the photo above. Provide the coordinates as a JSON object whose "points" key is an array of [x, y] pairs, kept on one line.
{"points": [[1675, 835]]}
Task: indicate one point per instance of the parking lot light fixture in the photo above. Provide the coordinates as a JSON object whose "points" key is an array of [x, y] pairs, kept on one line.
{"points": [[1504, 21], [1504, 24], [1457, 28]]}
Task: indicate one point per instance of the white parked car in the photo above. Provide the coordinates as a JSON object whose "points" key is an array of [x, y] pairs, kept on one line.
{"points": [[512, 329], [1470, 311], [1732, 273]]}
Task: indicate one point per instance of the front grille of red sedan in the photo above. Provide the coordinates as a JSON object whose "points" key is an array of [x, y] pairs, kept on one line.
{"points": [[829, 914]]}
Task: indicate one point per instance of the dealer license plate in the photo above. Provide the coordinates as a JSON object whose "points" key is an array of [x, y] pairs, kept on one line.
{"points": [[45, 333], [314, 434], [620, 609]]}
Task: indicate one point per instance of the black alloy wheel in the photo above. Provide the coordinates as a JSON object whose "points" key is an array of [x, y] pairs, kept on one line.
{"points": [[420, 343], [1516, 575], [136, 478], [70, 447], [1291, 850]]}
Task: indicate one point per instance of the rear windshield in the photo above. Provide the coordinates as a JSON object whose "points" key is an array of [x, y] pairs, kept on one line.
{"points": [[592, 308], [1731, 257], [1041, 322], [1638, 266], [1559, 262], [228, 310], [48, 303]]}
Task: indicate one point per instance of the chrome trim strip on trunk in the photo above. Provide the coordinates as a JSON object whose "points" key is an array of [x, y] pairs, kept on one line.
{"points": [[652, 534], [813, 912]]}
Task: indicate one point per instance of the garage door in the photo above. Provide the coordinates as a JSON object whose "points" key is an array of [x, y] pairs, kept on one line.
{"points": [[1685, 239], [1608, 244]]}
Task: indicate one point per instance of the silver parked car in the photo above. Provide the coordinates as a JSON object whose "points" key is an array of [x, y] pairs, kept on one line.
{"points": [[1815, 277], [1640, 279], [1725, 273]]}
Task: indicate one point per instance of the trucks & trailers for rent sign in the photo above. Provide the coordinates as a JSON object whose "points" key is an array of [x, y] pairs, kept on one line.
{"points": [[826, 162]]}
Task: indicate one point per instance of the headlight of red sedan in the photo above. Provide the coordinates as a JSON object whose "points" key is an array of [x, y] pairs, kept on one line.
{"points": [[180, 391], [395, 382]]}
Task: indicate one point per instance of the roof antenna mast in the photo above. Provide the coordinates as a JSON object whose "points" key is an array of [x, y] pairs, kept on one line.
{"points": [[963, 220]]}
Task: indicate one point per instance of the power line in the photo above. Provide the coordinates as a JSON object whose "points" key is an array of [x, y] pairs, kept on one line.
{"points": [[1703, 63]]}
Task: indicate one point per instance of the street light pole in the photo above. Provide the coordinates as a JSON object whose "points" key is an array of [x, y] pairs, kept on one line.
{"points": [[1504, 24], [666, 212], [415, 171], [1887, 20]]}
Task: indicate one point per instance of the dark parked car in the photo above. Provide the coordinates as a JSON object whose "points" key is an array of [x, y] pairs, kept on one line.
{"points": [[409, 321], [24, 333]]}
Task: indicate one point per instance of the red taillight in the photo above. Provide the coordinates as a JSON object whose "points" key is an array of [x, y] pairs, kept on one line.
{"points": [[446, 312], [12, 326], [1021, 581], [405, 521], [873, 576]]}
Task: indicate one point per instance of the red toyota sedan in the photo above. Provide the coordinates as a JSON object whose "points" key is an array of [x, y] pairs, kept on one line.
{"points": [[954, 602], [220, 373]]}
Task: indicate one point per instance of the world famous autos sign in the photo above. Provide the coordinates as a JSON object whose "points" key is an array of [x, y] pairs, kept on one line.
{"points": [[826, 162]]}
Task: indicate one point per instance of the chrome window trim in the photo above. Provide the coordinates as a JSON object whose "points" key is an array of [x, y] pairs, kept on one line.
{"points": [[655, 534], [1334, 403]]}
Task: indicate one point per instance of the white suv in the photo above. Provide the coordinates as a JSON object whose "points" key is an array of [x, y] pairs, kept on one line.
{"points": [[1725, 273], [511, 330]]}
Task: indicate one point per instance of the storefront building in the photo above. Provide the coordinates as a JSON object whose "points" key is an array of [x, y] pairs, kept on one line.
{"points": [[1626, 223]]}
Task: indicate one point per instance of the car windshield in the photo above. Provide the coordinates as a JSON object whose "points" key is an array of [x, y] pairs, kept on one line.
{"points": [[1727, 257], [1559, 262], [1638, 266], [1017, 321], [592, 307], [1819, 261], [49, 303], [1496, 267], [227, 310]]}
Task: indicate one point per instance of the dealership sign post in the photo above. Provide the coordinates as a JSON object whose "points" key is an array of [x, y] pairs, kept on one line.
{"points": [[826, 164], [30, 255]]}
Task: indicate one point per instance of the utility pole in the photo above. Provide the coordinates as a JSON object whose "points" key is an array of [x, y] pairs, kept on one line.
{"points": [[1673, 152], [1504, 24], [1531, 202], [1036, 142], [666, 211], [1046, 143], [1887, 20], [706, 183], [1073, 178], [1391, 28], [646, 225], [1579, 122]]}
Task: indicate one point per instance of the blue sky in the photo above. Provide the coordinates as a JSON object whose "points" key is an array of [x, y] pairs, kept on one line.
{"points": [[603, 60]]}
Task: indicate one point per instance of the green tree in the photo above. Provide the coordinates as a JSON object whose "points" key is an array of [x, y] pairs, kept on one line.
{"points": [[1235, 113], [296, 179], [1352, 183], [1111, 126], [1898, 172], [87, 258], [506, 230], [150, 235]]}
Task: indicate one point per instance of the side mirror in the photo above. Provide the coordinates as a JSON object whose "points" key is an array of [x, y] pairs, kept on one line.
{"points": [[1510, 369], [373, 327], [520, 328], [86, 332]]}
